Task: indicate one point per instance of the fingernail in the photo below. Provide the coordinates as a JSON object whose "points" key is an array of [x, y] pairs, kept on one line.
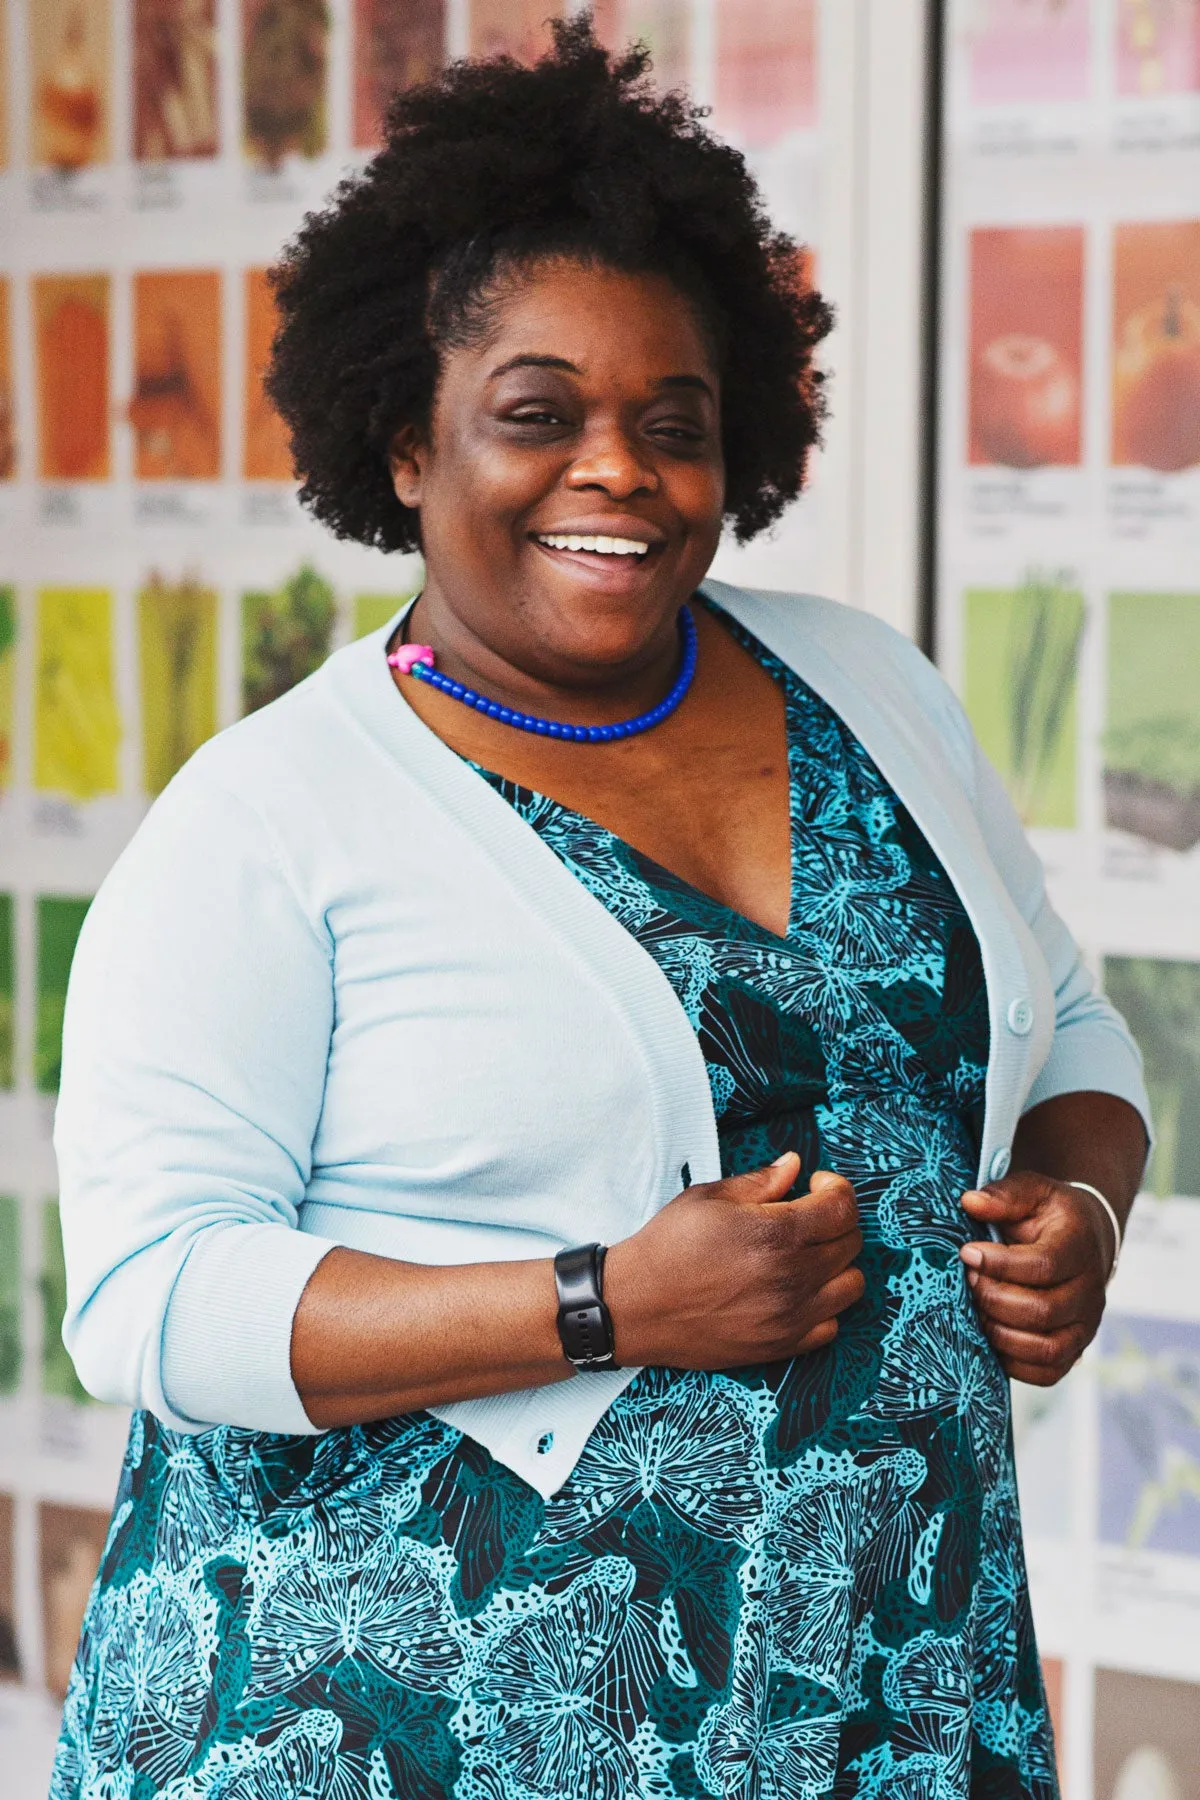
{"points": [[780, 1160], [972, 1277], [971, 1194], [972, 1256]]}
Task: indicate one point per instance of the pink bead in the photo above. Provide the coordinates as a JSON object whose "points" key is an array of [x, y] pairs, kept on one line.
{"points": [[410, 654]]}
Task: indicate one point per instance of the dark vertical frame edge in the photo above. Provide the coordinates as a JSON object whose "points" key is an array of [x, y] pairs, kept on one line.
{"points": [[931, 320]]}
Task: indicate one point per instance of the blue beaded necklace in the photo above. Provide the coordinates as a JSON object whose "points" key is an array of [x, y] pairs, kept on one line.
{"points": [[417, 660]]}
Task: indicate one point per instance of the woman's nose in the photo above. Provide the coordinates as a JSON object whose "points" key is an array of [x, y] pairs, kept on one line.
{"points": [[615, 463]]}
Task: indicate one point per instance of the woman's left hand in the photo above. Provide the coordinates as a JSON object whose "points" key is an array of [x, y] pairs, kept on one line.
{"points": [[1040, 1293]]}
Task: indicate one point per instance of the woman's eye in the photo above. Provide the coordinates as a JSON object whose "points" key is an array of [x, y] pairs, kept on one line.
{"points": [[536, 415]]}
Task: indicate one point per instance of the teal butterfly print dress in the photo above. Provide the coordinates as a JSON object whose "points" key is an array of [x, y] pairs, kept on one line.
{"points": [[775, 1583]]}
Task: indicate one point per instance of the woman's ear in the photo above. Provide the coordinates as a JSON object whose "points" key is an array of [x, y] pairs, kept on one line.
{"points": [[406, 461]]}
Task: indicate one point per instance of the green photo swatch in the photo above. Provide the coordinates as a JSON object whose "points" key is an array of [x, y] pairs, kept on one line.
{"points": [[8, 675], [372, 611], [1152, 720], [10, 1295], [8, 997], [58, 1371], [1161, 1001], [177, 628], [59, 919], [286, 634], [1021, 675]]}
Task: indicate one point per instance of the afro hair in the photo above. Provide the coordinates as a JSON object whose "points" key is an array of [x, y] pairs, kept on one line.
{"points": [[493, 166]]}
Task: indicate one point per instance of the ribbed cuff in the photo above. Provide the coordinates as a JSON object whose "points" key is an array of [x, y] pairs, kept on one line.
{"points": [[227, 1334], [1104, 1066]]}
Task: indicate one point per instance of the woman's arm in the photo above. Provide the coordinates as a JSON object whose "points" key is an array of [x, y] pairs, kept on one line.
{"points": [[729, 1273], [1040, 1293]]}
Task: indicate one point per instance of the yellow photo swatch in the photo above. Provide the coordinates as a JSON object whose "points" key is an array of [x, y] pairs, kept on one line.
{"points": [[77, 727], [177, 631]]}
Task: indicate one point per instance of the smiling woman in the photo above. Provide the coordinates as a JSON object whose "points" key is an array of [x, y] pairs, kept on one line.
{"points": [[523, 1091]]}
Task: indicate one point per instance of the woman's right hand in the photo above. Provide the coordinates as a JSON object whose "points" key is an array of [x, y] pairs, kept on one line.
{"points": [[731, 1273]]}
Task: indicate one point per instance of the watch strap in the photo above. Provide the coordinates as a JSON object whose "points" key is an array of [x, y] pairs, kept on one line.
{"points": [[584, 1323]]}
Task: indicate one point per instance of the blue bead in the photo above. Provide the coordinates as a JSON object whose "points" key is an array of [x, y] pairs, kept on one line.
{"points": [[505, 716], [526, 723], [482, 705], [585, 734], [455, 688], [541, 726], [492, 710], [604, 734], [468, 696]]}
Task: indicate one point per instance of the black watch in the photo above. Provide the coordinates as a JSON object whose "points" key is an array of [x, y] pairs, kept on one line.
{"points": [[584, 1323]]}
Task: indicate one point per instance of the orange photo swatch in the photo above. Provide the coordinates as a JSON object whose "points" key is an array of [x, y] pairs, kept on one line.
{"points": [[766, 69], [267, 455], [174, 79], [394, 47], [1156, 348], [511, 27], [176, 406], [1026, 346], [71, 322], [8, 401], [71, 73]]}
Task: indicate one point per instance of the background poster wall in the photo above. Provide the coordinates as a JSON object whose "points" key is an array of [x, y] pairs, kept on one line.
{"points": [[157, 578], [1068, 590]]}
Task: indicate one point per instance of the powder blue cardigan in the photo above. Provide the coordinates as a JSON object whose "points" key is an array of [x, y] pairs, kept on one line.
{"points": [[335, 991]]}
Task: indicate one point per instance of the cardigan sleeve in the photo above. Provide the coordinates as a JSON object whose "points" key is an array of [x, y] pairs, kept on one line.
{"points": [[1092, 1047], [195, 1043]]}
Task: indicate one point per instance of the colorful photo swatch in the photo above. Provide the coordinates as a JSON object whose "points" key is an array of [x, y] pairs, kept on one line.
{"points": [[511, 27], [8, 679], [174, 79], [72, 1543], [1160, 999], [1156, 348], [177, 633], [59, 921], [1021, 667], [176, 406], [267, 455], [1158, 47], [285, 69], [10, 1661], [58, 1371], [664, 26], [76, 724], [1147, 1738], [286, 634], [1151, 743], [8, 390], [10, 1297], [394, 47], [71, 70], [372, 611], [766, 69], [1149, 1378], [1026, 345], [8, 991], [1028, 50], [71, 320]]}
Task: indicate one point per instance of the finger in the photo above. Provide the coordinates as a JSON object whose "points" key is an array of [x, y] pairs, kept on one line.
{"points": [[1044, 1264], [1033, 1309], [817, 1338], [1029, 1374], [759, 1187], [1053, 1350], [1016, 1197], [829, 1210]]}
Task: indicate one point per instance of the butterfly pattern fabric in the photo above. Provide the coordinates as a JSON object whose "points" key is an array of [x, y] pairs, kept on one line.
{"points": [[788, 1582]]}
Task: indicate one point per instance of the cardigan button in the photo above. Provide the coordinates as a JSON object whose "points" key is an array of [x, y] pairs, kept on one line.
{"points": [[1020, 1018], [998, 1167]]}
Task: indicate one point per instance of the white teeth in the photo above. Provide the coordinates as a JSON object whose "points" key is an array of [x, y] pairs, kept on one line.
{"points": [[603, 546]]}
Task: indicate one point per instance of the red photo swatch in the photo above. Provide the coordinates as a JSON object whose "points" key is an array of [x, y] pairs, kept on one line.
{"points": [[1026, 346]]}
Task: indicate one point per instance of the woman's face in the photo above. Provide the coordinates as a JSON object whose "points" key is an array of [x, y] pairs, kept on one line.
{"points": [[591, 410]]}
